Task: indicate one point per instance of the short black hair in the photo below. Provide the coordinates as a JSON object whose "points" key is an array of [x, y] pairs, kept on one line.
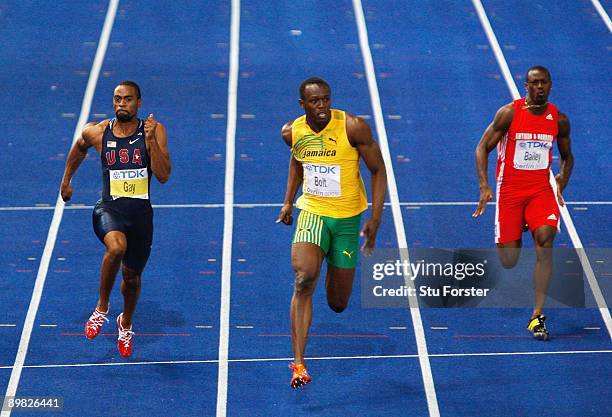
{"points": [[538, 68], [312, 80], [131, 84]]}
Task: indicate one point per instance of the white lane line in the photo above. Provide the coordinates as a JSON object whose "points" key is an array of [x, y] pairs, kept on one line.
{"points": [[602, 13], [258, 205], [59, 208], [324, 358], [419, 332], [567, 218], [228, 212]]}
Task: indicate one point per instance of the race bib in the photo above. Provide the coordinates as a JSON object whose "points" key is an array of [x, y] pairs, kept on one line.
{"points": [[322, 180], [132, 183], [532, 154]]}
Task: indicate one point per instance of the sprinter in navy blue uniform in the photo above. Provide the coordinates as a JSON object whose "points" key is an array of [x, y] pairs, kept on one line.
{"points": [[131, 151]]}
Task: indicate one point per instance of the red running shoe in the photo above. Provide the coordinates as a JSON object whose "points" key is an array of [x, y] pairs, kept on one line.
{"points": [[300, 376], [94, 324], [124, 341]]}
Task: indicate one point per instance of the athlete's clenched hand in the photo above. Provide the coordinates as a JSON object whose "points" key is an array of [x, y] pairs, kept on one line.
{"points": [[149, 127], [286, 215], [66, 192]]}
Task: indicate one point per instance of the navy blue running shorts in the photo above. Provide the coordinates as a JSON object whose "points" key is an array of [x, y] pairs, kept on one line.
{"points": [[134, 218]]}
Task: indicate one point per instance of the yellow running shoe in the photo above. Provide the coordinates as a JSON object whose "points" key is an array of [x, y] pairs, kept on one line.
{"points": [[538, 327]]}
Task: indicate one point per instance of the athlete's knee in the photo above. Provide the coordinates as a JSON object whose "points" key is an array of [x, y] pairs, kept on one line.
{"points": [[131, 279], [544, 240], [115, 251], [131, 284], [304, 282], [509, 257]]}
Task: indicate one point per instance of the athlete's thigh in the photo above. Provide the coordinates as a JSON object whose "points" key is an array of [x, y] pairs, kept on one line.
{"points": [[542, 210], [105, 220], [140, 239], [310, 244], [306, 259], [344, 247], [509, 216]]}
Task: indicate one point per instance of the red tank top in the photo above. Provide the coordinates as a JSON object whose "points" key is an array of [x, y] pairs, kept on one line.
{"points": [[525, 151]]}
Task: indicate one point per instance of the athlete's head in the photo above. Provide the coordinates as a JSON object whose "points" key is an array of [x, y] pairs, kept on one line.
{"points": [[126, 100], [315, 99], [537, 84]]}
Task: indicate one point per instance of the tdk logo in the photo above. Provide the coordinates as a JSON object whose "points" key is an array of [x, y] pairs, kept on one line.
{"points": [[131, 174], [321, 169], [534, 145]]}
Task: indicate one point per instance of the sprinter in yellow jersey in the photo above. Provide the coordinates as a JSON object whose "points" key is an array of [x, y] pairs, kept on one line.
{"points": [[326, 146]]}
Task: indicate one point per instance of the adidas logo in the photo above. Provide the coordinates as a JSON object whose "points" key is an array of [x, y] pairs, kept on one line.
{"points": [[549, 117], [552, 217]]}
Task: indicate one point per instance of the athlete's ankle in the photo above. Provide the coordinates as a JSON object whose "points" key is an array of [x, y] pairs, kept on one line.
{"points": [[126, 323], [103, 307]]}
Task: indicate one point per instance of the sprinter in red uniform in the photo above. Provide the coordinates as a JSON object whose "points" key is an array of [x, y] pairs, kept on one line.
{"points": [[524, 132]]}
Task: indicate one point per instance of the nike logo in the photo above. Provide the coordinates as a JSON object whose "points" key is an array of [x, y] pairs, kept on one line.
{"points": [[134, 141], [347, 253]]}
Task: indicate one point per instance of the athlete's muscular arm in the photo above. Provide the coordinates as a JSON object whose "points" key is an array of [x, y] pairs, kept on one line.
{"points": [[567, 158], [78, 152], [155, 137], [491, 137], [360, 136], [294, 179]]}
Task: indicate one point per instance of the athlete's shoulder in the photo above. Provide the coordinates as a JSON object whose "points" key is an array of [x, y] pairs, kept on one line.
{"points": [[564, 124], [358, 130], [101, 125], [286, 132], [355, 122], [503, 117], [553, 109], [349, 117], [508, 108], [94, 130]]}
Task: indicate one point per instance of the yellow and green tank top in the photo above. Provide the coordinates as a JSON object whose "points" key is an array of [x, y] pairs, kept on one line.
{"points": [[332, 184]]}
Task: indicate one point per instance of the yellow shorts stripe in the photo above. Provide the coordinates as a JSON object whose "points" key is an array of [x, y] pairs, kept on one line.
{"points": [[309, 228]]}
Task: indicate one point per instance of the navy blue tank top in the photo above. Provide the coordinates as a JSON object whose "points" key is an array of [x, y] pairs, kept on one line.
{"points": [[126, 172]]}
